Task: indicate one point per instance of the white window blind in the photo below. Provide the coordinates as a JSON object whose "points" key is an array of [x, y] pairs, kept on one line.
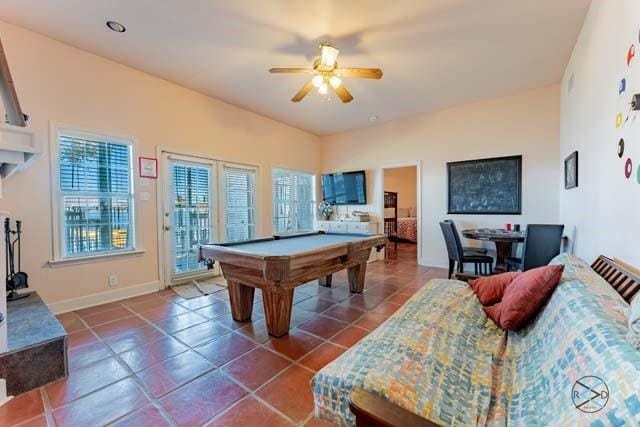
{"points": [[96, 195], [239, 189], [293, 201], [191, 215]]}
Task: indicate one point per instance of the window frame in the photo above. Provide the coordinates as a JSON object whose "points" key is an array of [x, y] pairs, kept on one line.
{"points": [[57, 206], [293, 202]]}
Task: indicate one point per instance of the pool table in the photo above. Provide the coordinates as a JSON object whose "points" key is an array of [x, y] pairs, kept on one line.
{"points": [[278, 264]]}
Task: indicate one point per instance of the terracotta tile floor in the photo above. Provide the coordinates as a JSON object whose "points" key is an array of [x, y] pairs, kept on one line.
{"points": [[157, 359]]}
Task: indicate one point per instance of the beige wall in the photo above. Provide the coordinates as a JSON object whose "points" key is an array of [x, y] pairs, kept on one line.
{"points": [[403, 182], [605, 207], [56, 82], [524, 123]]}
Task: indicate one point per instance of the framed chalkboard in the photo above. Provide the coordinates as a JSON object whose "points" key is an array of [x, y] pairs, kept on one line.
{"points": [[485, 186]]}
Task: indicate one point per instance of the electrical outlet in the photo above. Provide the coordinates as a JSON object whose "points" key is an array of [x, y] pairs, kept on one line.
{"points": [[113, 280]]}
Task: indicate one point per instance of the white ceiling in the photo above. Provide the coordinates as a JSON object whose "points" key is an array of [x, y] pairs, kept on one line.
{"points": [[434, 53]]}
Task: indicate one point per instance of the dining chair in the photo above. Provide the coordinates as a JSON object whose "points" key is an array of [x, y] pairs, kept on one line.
{"points": [[483, 264], [541, 244], [482, 251]]}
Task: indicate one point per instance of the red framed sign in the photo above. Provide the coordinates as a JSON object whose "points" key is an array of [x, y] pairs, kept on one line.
{"points": [[148, 167]]}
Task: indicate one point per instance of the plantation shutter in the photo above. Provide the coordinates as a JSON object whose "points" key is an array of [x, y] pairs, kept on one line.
{"points": [[96, 195], [192, 205], [304, 202], [293, 201], [240, 204]]}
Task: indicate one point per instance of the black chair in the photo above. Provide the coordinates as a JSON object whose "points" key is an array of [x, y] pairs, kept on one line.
{"points": [[482, 251], [541, 245], [483, 264]]}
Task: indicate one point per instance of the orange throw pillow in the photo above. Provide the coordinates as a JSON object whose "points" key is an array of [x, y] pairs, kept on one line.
{"points": [[525, 296], [490, 289]]}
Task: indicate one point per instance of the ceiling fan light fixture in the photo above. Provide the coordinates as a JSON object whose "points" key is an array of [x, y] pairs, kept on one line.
{"points": [[317, 81], [325, 73], [329, 55]]}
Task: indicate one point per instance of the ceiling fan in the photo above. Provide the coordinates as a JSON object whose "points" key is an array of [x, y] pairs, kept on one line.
{"points": [[327, 74]]}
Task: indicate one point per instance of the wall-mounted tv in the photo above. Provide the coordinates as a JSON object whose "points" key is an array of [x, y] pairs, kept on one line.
{"points": [[346, 188]]}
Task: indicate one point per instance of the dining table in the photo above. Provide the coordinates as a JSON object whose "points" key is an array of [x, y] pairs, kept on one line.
{"points": [[504, 241]]}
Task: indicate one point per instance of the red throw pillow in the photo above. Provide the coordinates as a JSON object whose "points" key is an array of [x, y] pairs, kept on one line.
{"points": [[493, 312], [490, 289], [525, 296]]}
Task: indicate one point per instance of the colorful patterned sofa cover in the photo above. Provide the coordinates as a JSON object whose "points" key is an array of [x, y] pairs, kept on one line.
{"points": [[440, 357]]}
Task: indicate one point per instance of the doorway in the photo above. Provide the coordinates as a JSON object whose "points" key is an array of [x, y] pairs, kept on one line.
{"points": [[190, 215], [401, 208], [203, 201]]}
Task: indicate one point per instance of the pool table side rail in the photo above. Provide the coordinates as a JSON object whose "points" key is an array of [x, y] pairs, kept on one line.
{"points": [[228, 253], [291, 268]]}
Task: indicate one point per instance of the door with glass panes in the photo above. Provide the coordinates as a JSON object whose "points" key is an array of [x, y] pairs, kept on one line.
{"points": [[204, 201], [189, 217]]}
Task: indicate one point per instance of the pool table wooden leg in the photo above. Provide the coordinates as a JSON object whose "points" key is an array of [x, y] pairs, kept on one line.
{"points": [[356, 277], [325, 280], [241, 299], [277, 310]]}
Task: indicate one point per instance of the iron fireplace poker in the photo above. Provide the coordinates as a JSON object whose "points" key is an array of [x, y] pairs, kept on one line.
{"points": [[15, 279]]}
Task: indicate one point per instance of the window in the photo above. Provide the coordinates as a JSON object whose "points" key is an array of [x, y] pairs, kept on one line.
{"points": [[293, 201], [95, 195], [239, 190]]}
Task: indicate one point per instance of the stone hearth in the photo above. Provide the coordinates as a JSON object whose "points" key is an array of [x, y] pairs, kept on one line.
{"points": [[37, 346]]}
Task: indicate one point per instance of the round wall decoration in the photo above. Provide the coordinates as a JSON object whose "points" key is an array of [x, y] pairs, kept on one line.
{"points": [[621, 147], [628, 168], [631, 53], [622, 87], [618, 120]]}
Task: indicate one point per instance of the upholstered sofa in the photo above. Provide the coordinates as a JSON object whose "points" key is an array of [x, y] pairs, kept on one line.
{"points": [[440, 357]]}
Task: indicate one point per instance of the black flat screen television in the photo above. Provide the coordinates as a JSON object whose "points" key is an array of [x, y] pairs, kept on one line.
{"points": [[346, 188]]}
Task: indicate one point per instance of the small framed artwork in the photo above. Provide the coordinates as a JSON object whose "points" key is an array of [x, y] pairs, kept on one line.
{"points": [[148, 167], [571, 171]]}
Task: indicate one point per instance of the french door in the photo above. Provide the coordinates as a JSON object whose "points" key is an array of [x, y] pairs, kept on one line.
{"points": [[190, 213], [204, 201]]}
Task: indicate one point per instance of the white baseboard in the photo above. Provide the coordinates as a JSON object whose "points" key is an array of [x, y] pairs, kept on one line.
{"points": [[78, 303], [434, 263], [3, 392]]}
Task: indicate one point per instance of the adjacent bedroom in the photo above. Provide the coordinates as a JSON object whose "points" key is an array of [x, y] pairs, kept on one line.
{"points": [[400, 210]]}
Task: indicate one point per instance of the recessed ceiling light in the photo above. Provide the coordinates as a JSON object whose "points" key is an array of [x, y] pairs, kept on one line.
{"points": [[373, 118], [116, 26]]}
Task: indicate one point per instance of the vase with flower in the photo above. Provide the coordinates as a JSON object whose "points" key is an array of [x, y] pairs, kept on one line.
{"points": [[326, 210]]}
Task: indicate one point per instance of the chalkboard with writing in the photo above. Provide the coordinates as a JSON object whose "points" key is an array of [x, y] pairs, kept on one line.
{"points": [[485, 186]]}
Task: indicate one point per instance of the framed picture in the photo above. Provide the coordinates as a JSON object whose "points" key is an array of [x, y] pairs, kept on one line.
{"points": [[571, 171], [485, 186], [148, 167]]}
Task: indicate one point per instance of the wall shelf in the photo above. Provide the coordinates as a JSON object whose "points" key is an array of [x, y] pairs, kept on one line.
{"points": [[17, 149]]}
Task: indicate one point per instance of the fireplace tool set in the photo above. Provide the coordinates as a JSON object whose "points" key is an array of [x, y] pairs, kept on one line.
{"points": [[16, 279]]}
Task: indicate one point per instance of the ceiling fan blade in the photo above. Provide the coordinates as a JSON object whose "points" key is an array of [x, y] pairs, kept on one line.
{"points": [[303, 92], [343, 93], [329, 55], [361, 73], [292, 70]]}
